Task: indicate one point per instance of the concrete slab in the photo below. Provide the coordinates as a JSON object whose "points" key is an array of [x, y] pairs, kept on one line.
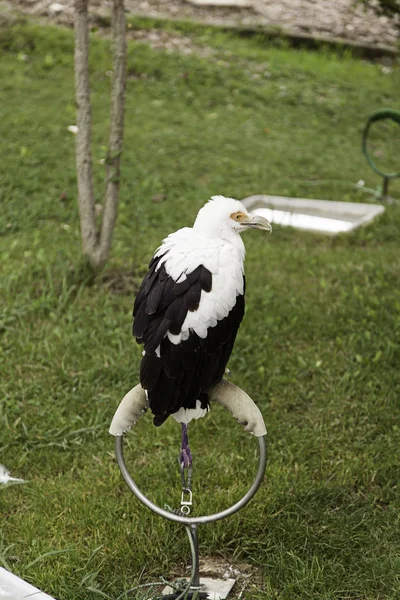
{"points": [[324, 216], [14, 588], [216, 589]]}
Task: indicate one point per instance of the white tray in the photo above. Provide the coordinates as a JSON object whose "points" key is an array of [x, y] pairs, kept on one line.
{"points": [[14, 588], [324, 216]]}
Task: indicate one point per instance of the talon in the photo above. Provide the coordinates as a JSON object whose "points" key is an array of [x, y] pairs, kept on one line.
{"points": [[186, 458], [186, 455]]}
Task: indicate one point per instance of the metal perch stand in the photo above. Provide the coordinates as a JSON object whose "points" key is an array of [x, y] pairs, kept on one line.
{"points": [[380, 115], [246, 412]]}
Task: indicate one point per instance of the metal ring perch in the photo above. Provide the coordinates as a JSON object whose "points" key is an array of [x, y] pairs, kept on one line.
{"points": [[380, 115], [193, 520], [243, 409]]}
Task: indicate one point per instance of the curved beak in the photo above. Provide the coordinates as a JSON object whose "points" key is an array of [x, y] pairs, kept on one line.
{"points": [[257, 222]]}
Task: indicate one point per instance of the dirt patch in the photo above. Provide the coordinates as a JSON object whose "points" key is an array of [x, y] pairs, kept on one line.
{"points": [[248, 577], [167, 41], [342, 19], [122, 283]]}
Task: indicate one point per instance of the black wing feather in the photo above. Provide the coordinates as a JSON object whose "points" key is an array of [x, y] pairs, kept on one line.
{"points": [[156, 293], [205, 279], [150, 371], [183, 286], [192, 297]]}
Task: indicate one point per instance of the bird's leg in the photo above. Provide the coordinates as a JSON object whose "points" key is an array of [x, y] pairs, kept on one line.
{"points": [[185, 467], [186, 455]]}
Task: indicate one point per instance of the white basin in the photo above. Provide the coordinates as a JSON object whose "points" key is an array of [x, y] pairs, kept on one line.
{"points": [[14, 588], [324, 216]]}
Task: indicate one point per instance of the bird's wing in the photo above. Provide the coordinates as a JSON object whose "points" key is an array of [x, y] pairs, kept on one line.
{"points": [[162, 303], [186, 314]]}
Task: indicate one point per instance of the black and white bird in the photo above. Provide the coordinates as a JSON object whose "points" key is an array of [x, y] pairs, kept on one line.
{"points": [[188, 310]]}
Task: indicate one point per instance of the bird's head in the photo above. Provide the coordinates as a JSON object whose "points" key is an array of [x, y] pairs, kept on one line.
{"points": [[221, 217]]}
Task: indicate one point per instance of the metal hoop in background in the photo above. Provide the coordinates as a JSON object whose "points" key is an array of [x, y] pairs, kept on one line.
{"points": [[379, 115], [193, 520]]}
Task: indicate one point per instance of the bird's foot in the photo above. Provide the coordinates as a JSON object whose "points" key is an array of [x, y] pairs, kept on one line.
{"points": [[185, 457]]}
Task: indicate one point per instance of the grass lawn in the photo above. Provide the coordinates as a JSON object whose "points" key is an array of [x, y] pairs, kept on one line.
{"points": [[319, 349]]}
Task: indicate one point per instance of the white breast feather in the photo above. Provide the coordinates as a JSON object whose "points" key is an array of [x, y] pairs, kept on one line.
{"points": [[184, 251]]}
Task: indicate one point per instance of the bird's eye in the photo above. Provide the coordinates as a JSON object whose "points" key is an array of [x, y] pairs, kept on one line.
{"points": [[239, 216]]}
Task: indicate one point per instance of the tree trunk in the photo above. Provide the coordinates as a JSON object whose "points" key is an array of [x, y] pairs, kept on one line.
{"points": [[96, 244], [116, 130]]}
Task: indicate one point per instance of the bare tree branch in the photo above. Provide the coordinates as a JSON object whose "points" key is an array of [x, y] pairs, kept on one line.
{"points": [[96, 245], [83, 137], [116, 129]]}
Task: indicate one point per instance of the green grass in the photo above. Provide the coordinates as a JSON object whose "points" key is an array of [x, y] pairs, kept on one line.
{"points": [[318, 350]]}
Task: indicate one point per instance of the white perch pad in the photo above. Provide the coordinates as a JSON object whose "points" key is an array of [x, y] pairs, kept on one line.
{"points": [[241, 406], [134, 405]]}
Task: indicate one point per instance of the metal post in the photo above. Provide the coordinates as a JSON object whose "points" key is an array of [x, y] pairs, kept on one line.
{"points": [[385, 191], [196, 579]]}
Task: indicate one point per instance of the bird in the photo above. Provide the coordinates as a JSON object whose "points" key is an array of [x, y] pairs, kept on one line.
{"points": [[188, 310]]}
